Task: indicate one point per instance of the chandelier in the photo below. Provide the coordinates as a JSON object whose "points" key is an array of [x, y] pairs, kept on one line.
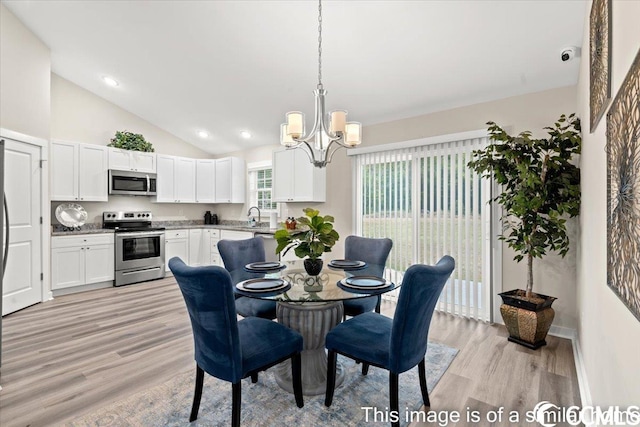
{"points": [[330, 132]]}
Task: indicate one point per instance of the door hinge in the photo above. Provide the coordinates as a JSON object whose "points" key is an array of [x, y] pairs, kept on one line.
{"points": [[41, 276], [41, 163], [40, 220]]}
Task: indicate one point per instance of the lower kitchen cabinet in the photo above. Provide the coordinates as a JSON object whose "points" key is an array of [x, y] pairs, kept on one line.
{"points": [[81, 260], [176, 243]]}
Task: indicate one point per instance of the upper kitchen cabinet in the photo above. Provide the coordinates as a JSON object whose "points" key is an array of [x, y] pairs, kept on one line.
{"points": [[205, 180], [176, 179], [230, 180], [127, 160], [79, 172], [295, 179]]}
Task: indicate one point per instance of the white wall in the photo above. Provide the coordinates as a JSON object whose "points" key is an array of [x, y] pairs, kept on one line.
{"points": [[79, 115], [25, 67], [609, 334], [553, 276]]}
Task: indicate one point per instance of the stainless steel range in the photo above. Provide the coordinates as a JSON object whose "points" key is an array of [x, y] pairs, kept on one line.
{"points": [[139, 247]]}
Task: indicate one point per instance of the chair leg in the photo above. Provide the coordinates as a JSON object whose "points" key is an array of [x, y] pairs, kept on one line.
{"points": [[331, 378], [236, 403], [254, 378], [365, 368], [423, 384], [393, 396], [296, 374], [197, 394]]}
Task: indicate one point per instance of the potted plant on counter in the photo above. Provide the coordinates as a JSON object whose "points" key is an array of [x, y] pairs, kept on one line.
{"points": [[313, 237], [540, 188]]}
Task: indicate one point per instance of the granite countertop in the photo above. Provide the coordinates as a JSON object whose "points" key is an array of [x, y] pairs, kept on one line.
{"points": [[59, 230]]}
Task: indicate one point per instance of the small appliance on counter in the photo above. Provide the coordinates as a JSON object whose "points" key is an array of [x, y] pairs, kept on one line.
{"points": [[210, 219]]}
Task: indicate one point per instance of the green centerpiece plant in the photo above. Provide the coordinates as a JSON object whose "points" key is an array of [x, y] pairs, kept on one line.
{"points": [[130, 141], [540, 189], [313, 236]]}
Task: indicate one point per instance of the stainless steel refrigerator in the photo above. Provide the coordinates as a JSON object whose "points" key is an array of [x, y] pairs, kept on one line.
{"points": [[4, 220]]}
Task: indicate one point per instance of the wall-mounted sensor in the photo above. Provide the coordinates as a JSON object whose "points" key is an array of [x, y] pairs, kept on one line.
{"points": [[568, 53]]}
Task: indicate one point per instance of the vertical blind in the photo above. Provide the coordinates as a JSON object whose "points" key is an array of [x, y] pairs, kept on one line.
{"points": [[426, 199]]}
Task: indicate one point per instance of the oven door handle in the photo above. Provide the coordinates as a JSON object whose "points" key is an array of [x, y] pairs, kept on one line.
{"points": [[140, 234], [148, 184]]}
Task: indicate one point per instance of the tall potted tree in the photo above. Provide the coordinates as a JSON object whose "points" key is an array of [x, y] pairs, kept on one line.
{"points": [[540, 188]]}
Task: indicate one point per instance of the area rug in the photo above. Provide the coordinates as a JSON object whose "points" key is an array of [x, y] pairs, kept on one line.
{"points": [[266, 404]]}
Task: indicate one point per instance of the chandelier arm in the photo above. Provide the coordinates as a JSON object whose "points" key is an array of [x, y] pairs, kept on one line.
{"points": [[335, 148], [309, 151]]}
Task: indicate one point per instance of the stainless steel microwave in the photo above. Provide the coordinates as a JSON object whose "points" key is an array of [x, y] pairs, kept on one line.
{"points": [[132, 183]]}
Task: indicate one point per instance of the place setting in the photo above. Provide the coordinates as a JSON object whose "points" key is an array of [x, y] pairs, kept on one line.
{"points": [[363, 284], [264, 267], [346, 264], [264, 286]]}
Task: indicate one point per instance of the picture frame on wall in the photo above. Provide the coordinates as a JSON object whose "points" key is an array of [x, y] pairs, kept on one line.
{"points": [[599, 60], [623, 191]]}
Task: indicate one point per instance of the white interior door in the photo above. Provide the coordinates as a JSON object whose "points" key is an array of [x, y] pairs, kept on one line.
{"points": [[22, 284]]}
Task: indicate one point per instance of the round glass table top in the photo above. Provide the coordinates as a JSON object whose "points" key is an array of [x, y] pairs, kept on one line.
{"points": [[300, 287]]}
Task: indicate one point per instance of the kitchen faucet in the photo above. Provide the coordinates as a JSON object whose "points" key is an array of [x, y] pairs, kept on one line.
{"points": [[256, 208]]}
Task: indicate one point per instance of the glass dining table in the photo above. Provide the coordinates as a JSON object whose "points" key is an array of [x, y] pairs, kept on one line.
{"points": [[311, 305]]}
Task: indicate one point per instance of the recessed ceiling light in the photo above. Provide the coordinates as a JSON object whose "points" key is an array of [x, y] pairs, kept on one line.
{"points": [[203, 134], [110, 81], [245, 134]]}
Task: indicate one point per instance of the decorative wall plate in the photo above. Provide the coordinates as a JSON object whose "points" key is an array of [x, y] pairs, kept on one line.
{"points": [[71, 215], [600, 60]]}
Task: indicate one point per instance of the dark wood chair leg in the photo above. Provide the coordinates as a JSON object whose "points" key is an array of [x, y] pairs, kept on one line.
{"points": [[423, 384], [254, 378], [296, 374], [393, 396], [197, 394], [236, 403], [331, 378], [378, 304], [365, 368]]}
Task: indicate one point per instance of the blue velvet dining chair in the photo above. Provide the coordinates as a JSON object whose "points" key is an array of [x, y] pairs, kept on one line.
{"points": [[235, 255], [375, 253], [226, 348], [397, 344]]}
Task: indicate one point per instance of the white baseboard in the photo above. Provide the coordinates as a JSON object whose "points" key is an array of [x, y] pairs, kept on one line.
{"points": [[583, 383], [562, 332]]}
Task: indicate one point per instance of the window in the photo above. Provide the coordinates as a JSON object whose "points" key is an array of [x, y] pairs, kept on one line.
{"points": [[429, 203], [260, 187]]}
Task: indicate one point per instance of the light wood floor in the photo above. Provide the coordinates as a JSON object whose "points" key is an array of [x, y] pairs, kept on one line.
{"points": [[77, 353]]}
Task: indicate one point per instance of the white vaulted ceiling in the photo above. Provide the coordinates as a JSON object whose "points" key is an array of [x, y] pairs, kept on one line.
{"points": [[228, 66]]}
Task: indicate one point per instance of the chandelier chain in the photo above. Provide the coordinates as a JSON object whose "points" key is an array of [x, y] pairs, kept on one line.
{"points": [[320, 43]]}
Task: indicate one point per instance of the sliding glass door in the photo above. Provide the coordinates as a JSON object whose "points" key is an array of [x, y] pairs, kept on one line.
{"points": [[430, 204]]}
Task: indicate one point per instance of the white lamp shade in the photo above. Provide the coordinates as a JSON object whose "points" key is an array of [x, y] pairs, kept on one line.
{"points": [[285, 138], [353, 131], [295, 124], [338, 121]]}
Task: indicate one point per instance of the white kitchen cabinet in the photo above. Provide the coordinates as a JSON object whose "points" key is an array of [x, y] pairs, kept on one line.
{"points": [[176, 243], [196, 247], [201, 249], [79, 172], [205, 180], [81, 260], [176, 179], [230, 180], [128, 160], [185, 180], [215, 255], [235, 235], [296, 179]]}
